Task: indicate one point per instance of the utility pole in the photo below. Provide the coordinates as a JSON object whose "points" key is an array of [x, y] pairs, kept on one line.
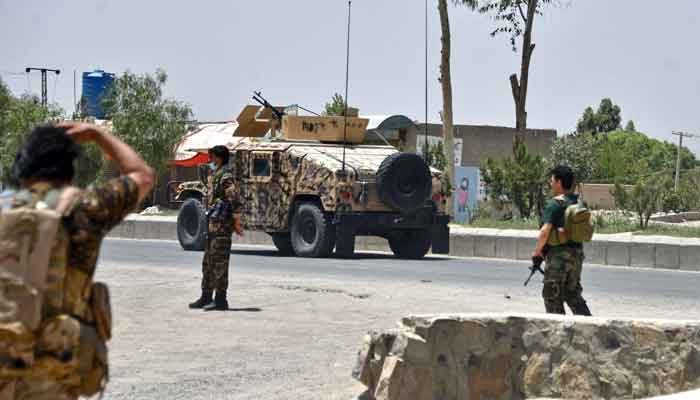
{"points": [[44, 97], [680, 135]]}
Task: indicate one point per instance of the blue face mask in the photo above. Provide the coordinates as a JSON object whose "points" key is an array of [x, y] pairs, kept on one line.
{"points": [[212, 166]]}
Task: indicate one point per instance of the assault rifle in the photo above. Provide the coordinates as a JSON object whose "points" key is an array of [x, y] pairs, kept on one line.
{"points": [[257, 96], [536, 266]]}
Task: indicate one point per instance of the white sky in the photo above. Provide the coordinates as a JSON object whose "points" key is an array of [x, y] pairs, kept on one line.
{"points": [[641, 53]]}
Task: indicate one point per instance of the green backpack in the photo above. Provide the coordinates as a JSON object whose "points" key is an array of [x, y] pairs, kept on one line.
{"points": [[577, 223]]}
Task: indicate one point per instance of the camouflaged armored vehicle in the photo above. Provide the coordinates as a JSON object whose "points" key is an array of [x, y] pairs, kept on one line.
{"points": [[312, 194]]}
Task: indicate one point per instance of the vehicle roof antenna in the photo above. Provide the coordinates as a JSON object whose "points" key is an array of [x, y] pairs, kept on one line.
{"points": [[425, 147], [347, 80]]}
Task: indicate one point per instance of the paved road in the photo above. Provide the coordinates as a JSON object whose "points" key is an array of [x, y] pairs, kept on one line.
{"points": [[300, 322], [505, 276]]}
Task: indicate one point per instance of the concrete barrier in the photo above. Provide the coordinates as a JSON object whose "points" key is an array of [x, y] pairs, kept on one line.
{"points": [[624, 250]]}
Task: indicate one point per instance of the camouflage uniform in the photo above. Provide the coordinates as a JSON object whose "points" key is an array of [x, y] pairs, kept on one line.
{"points": [[215, 264], [562, 277], [95, 212]]}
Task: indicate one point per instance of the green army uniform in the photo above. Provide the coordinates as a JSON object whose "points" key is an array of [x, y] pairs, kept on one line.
{"points": [[562, 277], [70, 355], [222, 206]]}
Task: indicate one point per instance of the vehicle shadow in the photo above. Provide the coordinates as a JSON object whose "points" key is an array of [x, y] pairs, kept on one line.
{"points": [[356, 256]]}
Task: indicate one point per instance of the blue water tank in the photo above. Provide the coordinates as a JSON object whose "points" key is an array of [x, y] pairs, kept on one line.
{"points": [[95, 85]]}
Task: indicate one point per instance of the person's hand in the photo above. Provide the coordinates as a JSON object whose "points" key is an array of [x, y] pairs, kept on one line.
{"points": [[237, 227], [81, 132], [537, 253]]}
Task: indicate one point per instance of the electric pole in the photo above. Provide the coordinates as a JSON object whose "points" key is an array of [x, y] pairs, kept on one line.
{"points": [[44, 97], [680, 135]]}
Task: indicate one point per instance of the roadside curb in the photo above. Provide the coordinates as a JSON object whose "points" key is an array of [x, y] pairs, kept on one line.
{"points": [[659, 252]]}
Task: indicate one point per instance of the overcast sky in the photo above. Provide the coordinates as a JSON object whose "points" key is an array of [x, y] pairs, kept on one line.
{"points": [[641, 53]]}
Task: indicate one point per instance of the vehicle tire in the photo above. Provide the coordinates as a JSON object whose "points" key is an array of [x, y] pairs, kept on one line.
{"points": [[404, 182], [283, 242], [410, 244], [192, 226], [312, 232]]}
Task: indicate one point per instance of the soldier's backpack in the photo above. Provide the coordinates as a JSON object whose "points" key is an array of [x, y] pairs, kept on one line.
{"points": [[577, 222], [37, 337]]}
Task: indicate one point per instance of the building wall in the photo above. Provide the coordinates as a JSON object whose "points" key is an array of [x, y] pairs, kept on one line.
{"points": [[482, 142], [598, 196]]}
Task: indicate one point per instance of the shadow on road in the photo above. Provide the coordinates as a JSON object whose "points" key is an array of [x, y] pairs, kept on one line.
{"points": [[246, 309], [356, 256]]}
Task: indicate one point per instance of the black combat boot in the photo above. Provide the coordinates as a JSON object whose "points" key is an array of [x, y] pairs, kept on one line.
{"points": [[220, 303], [204, 300]]}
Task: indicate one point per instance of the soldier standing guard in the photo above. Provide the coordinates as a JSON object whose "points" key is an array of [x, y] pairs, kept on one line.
{"points": [[223, 205]]}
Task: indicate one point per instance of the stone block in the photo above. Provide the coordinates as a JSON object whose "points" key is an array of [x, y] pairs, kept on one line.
{"points": [[617, 253], [690, 258], [506, 247], [462, 245], [668, 256], [510, 356], [485, 246], [595, 253], [643, 255]]}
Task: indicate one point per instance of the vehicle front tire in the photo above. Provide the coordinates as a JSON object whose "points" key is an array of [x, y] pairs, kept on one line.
{"points": [[192, 225], [312, 233], [410, 244]]}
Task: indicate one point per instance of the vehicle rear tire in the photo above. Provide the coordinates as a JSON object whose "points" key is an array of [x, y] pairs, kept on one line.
{"points": [[192, 226], [404, 181], [283, 242], [410, 244], [312, 232]]}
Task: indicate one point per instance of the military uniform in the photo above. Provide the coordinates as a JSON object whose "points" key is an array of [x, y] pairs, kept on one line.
{"points": [[70, 297], [222, 206], [562, 277]]}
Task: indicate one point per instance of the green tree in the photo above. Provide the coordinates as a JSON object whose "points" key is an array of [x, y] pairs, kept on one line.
{"points": [[576, 152], [18, 116], [623, 156], [336, 107], [520, 180], [645, 198], [630, 126], [606, 119], [514, 18], [144, 119]]}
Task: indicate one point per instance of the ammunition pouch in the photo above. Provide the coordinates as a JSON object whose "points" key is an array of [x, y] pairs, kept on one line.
{"points": [[101, 310], [220, 211], [72, 353]]}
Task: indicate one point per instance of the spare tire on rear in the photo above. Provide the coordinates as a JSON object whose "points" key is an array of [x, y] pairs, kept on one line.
{"points": [[192, 225], [404, 182]]}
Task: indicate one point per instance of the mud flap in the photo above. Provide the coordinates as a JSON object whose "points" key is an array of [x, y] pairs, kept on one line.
{"points": [[440, 238], [344, 240]]}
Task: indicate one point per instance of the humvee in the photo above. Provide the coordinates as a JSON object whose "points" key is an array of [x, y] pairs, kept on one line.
{"points": [[311, 185]]}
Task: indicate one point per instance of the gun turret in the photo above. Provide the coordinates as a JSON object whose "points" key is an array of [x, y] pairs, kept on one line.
{"points": [[257, 96]]}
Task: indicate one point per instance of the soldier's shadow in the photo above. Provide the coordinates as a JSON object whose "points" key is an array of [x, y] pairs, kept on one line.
{"points": [[244, 309]]}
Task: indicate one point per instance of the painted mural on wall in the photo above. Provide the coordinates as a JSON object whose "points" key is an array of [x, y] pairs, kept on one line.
{"points": [[467, 187]]}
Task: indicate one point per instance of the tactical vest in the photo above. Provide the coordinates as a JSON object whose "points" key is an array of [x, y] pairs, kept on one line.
{"points": [[53, 323]]}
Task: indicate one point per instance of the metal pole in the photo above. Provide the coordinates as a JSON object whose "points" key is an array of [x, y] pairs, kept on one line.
{"points": [[678, 157], [347, 81], [425, 147], [678, 162], [44, 97]]}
